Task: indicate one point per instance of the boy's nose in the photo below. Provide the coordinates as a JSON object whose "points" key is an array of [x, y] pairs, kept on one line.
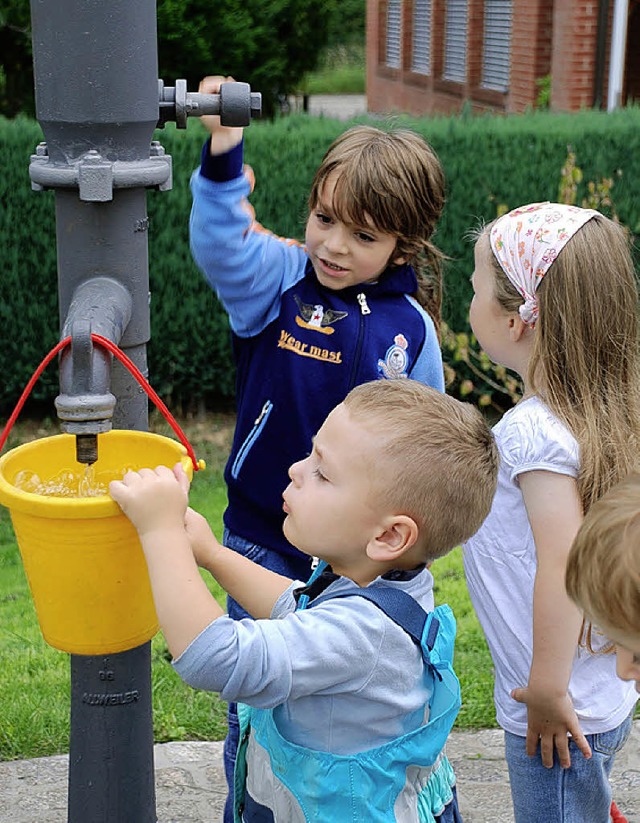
{"points": [[336, 240], [295, 472]]}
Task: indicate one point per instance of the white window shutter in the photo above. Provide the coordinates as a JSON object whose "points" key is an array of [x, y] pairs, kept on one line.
{"points": [[421, 47], [394, 34], [496, 52], [455, 41]]}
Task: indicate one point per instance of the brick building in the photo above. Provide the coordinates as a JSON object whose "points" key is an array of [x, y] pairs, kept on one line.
{"points": [[426, 56]]}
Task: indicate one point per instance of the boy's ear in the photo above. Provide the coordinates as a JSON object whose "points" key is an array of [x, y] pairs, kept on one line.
{"points": [[396, 535], [399, 261]]}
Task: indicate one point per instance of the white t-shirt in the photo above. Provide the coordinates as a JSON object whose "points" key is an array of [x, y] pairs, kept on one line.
{"points": [[500, 567]]}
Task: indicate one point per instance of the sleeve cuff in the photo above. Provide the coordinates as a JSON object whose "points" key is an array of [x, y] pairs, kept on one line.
{"points": [[222, 167]]}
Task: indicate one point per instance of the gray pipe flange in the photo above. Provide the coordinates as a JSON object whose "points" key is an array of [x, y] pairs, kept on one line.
{"points": [[182, 111]]}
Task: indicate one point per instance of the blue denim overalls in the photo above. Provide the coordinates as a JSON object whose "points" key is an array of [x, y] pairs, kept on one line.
{"points": [[408, 779]]}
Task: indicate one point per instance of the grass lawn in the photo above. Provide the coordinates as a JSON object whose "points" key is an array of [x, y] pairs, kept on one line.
{"points": [[345, 79], [342, 70], [34, 678]]}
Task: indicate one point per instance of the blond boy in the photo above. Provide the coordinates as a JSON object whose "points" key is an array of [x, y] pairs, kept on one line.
{"points": [[603, 572], [344, 689]]}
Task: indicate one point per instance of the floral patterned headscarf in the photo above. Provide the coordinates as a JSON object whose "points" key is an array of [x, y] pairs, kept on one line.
{"points": [[527, 240]]}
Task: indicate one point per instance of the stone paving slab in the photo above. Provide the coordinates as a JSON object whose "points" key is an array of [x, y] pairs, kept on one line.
{"points": [[190, 786], [335, 106]]}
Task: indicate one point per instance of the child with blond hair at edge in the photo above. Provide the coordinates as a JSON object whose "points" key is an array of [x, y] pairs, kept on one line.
{"points": [[603, 572], [349, 677], [359, 301], [603, 577], [555, 299]]}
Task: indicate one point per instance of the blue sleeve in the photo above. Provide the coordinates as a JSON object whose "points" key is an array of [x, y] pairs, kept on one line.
{"points": [[428, 367], [248, 267], [265, 662]]}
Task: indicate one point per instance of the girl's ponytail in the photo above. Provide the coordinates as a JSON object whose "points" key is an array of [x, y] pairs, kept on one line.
{"points": [[428, 269]]}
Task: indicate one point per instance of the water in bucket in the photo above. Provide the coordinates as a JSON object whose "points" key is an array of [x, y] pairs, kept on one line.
{"points": [[81, 483], [86, 570]]}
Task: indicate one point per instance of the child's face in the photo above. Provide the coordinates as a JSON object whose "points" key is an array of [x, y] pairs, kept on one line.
{"points": [[344, 254], [627, 655], [628, 663], [330, 513], [489, 321]]}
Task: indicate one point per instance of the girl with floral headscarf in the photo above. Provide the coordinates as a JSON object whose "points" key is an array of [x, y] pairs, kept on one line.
{"points": [[555, 299]]}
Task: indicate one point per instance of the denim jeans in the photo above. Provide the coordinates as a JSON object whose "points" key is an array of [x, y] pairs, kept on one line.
{"points": [[580, 794], [297, 568]]}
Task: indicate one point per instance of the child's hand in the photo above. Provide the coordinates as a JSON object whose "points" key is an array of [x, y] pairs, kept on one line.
{"points": [[204, 544], [549, 719], [223, 138], [153, 499]]}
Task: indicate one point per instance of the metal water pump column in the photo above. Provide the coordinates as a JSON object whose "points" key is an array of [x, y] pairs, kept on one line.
{"points": [[98, 101], [96, 82]]}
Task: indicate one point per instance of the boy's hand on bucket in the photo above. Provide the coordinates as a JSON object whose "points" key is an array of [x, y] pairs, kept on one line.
{"points": [[203, 541], [153, 499]]}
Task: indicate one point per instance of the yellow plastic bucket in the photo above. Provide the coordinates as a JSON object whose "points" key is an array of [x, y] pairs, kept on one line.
{"points": [[85, 566]]}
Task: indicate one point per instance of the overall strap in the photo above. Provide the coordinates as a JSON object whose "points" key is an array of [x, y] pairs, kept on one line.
{"points": [[402, 609], [396, 604]]}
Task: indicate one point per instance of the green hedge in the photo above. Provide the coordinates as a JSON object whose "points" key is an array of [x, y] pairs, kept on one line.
{"points": [[490, 162]]}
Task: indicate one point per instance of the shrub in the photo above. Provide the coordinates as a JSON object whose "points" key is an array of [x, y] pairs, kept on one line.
{"points": [[491, 164]]}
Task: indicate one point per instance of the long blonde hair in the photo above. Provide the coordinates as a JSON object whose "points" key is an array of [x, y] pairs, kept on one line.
{"points": [[395, 179], [584, 361]]}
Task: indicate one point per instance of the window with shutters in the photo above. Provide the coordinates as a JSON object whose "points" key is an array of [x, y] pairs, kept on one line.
{"points": [[455, 41], [421, 48], [496, 51], [394, 34]]}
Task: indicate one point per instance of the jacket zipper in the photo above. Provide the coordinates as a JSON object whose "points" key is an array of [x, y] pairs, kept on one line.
{"points": [[364, 310], [362, 302], [251, 438]]}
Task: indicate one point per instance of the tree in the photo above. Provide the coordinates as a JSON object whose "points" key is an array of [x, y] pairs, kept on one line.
{"points": [[348, 23], [16, 66], [270, 45], [267, 43]]}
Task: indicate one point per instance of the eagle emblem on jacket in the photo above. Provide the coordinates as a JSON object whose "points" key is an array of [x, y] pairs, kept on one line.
{"points": [[316, 317]]}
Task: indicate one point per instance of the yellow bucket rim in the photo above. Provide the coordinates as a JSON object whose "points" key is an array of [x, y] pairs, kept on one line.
{"points": [[75, 508]]}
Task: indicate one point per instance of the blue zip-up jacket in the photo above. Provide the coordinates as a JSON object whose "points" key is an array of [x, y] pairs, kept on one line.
{"points": [[299, 347]]}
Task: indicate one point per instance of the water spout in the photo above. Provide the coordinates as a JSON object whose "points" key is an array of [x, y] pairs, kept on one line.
{"points": [[85, 404]]}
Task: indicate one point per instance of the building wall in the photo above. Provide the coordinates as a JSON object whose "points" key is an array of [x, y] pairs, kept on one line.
{"points": [[557, 39], [390, 89], [575, 31], [531, 50]]}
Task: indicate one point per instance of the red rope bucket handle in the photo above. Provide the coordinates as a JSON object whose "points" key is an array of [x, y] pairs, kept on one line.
{"points": [[130, 366]]}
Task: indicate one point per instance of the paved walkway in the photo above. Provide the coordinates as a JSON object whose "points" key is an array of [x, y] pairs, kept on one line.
{"points": [[339, 106], [190, 785]]}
